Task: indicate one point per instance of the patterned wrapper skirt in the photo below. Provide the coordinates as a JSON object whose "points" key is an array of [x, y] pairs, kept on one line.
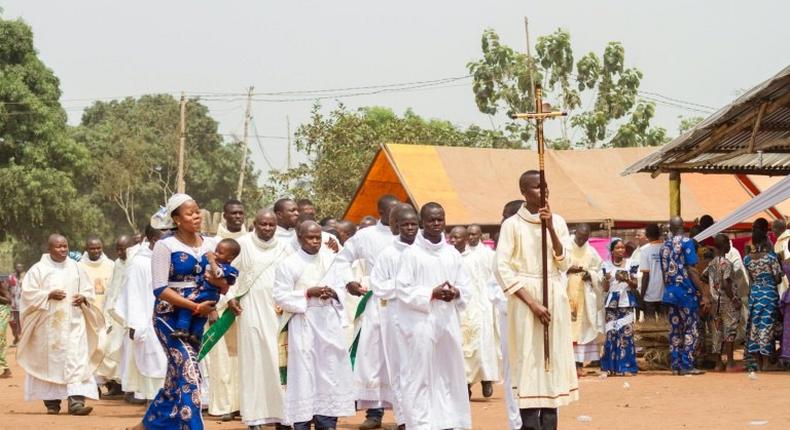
{"points": [[619, 352]]}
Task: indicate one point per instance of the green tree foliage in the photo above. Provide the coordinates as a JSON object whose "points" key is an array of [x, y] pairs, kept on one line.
{"points": [[501, 79], [40, 165], [687, 123], [342, 144], [134, 148]]}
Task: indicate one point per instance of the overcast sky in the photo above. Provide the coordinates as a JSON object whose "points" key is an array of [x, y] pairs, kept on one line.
{"points": [[703, 52]]}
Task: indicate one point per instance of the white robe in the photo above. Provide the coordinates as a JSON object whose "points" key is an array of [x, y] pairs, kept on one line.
{"points": [[222, 362], [432, 381], [60, 344], [319, 367], [258, 326], [478, 321], [145, 362], [371, 377], [586, 298], [112, 367], [382, 283], [518, 264]]}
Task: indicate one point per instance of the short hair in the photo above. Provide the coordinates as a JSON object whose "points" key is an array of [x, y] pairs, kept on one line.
{"points": [[325, 220], [278, 205], [304, 202], [385, 201], [94, 238], [231, 202], [721, 240], [652, 231], [234, 246], [705, 221], [151, 233], [512, 207], [522, 180], [429, 206]]}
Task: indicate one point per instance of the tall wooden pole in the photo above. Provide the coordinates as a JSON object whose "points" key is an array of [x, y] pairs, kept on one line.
{"points": [[674, 193], [182, 139], [542, 113], [242, 168]]}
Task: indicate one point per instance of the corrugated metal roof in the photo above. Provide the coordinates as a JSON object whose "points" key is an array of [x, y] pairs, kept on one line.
{"points": [[723, 142]]}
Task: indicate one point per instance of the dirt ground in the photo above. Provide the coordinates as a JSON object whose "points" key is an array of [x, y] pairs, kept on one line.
{"points": [[648, 401]]}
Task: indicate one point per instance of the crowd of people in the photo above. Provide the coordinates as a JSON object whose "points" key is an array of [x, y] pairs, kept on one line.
{"points": [[321, 320]]}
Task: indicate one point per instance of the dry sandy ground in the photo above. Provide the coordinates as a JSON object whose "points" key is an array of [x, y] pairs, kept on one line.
{"points": [[649, 401]]}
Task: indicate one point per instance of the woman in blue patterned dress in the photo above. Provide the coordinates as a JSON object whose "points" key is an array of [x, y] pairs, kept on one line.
{"points": [[765, 273], [619, 275], [175, 270]]}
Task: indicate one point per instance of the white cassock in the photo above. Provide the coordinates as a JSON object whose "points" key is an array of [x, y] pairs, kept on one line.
{"points": [[289, 236], [258, 330], [518, 263], [60, 344], [144, 360], [586, 301], [111, 367], [222, 362], [382, 283], [99, 273], [478, 320], [319, 367], [432, 381], [371, 377]]}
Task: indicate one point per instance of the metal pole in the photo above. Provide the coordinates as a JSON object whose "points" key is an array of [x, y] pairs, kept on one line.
{"points": [[180, 183]]}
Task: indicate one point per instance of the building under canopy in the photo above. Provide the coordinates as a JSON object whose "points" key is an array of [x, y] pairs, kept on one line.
{"points": [[473, 184], [751, 136]]}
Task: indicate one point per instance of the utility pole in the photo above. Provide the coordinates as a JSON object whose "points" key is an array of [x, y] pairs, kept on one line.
{"points": [[182, 139], [529, 57], [288, 133], [247, 118]]}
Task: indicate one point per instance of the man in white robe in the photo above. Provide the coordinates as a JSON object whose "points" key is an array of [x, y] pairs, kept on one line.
{"points": [[288, 218], [318, 381], [222, 362], [540, 390], [258, 325], [478, 320], [585, 297], [431, 292], [111, 366], [371, 380], [382, 282], [144, 360], [59, 348]]}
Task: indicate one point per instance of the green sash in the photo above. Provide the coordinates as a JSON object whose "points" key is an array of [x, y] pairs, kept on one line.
{"points": [[217, 330], [360, 310]]}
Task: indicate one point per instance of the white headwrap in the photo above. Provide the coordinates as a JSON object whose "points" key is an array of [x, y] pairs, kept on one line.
{"points": [[162, 220]]}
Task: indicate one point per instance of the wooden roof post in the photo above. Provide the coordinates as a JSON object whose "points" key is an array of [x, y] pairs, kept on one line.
{"points": [[674, 193]]}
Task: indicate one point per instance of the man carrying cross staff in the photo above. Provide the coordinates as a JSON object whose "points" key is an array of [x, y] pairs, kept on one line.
{"points": [[530, 259]]}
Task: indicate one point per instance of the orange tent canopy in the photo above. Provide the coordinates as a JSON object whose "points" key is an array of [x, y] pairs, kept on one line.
{"points": [[473, 184]]}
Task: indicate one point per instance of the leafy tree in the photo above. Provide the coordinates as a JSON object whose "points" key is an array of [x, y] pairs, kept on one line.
{"points": [[134, 143], [40, 165], [615, 88], [687, 123], [341, 145]]}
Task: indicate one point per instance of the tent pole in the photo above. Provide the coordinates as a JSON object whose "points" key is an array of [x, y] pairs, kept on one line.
{"points": [[674, 193]]}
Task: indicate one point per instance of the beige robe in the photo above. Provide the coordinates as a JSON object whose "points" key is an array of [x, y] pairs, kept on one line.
{"points": [[586, 302], [222, 362], [59, 347], [478, 321], [99, 274], [518, 265], [780, 248], [111, 367], [258, 327]]}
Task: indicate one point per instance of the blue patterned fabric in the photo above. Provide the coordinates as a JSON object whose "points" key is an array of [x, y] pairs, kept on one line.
{"points": [[203, 293], [619, 353], [177, 405], [677, 254], [764, 325], [683, 337]]}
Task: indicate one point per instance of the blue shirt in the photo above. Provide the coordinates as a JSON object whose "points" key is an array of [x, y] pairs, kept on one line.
{"points": [[677, 255]]}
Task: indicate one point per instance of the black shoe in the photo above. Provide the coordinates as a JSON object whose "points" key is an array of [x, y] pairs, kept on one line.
{"points": [[279, 426], [488, 389], [227, 417], [469, 390]]}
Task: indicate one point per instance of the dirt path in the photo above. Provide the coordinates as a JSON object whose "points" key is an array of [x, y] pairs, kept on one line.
{"points": [[656, 401]]}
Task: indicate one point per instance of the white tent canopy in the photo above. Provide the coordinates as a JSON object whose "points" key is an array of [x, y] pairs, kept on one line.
{"points": [[778, 193]]}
